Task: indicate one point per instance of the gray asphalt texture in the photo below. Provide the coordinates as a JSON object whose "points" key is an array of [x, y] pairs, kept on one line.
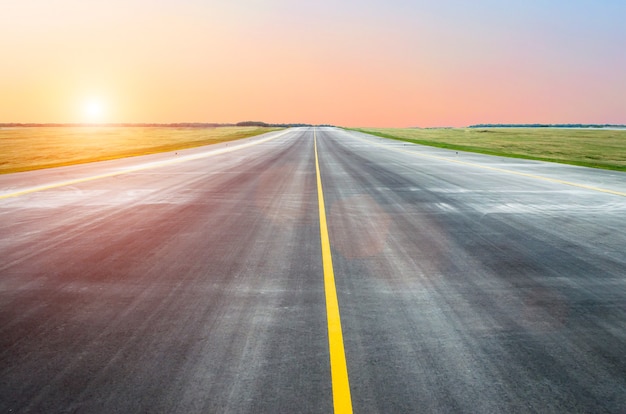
{"points": [[196, 286]]}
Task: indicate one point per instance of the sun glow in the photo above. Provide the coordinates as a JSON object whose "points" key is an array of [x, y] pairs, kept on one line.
{"points": [[94, 110]]}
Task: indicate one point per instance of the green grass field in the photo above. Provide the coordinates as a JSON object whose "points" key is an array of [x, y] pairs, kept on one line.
{"points": [[598, 148], [30, 148]]}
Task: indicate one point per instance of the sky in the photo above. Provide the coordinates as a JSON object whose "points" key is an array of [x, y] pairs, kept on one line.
{"points": [[376, 63]]}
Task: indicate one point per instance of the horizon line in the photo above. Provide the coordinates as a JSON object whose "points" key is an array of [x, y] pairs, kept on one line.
{"points": [[292, 124]]}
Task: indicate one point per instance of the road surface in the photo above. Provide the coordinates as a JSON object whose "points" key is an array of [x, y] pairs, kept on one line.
{"points": [[196, 282]]}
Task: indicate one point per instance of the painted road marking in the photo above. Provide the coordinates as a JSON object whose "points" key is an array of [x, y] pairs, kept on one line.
{"points": [[485, 167], [342, 402], [142, 167]]}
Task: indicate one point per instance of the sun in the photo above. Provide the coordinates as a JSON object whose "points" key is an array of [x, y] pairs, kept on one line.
{"points": [[94, 110]]}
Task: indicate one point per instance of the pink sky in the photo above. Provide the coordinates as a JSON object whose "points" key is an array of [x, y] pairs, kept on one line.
{"points": [[393, 63]]}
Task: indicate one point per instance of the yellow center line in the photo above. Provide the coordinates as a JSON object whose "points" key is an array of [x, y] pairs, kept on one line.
{"points": [[128, 170], [522, 174], [342, 401]]}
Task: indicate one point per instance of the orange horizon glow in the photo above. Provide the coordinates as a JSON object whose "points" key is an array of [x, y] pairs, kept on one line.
{"points": [[377, 64]]}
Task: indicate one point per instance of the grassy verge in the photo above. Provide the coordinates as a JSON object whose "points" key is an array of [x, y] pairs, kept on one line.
{"points": [[31, 148], [597, 148]]}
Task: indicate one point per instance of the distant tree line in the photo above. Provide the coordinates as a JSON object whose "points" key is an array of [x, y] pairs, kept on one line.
{"points": [[170, 125], [547, 126], [263, 124], [120, 124]]}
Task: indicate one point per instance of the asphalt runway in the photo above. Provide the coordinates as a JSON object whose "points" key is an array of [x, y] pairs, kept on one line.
{"points": [[193, 282]]}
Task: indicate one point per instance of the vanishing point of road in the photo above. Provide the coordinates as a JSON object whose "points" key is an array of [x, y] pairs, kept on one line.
{"points": [[311, 270]]}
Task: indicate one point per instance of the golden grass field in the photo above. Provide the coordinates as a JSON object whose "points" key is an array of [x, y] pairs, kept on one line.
{"points": [[599, 148], [30, 148]]}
